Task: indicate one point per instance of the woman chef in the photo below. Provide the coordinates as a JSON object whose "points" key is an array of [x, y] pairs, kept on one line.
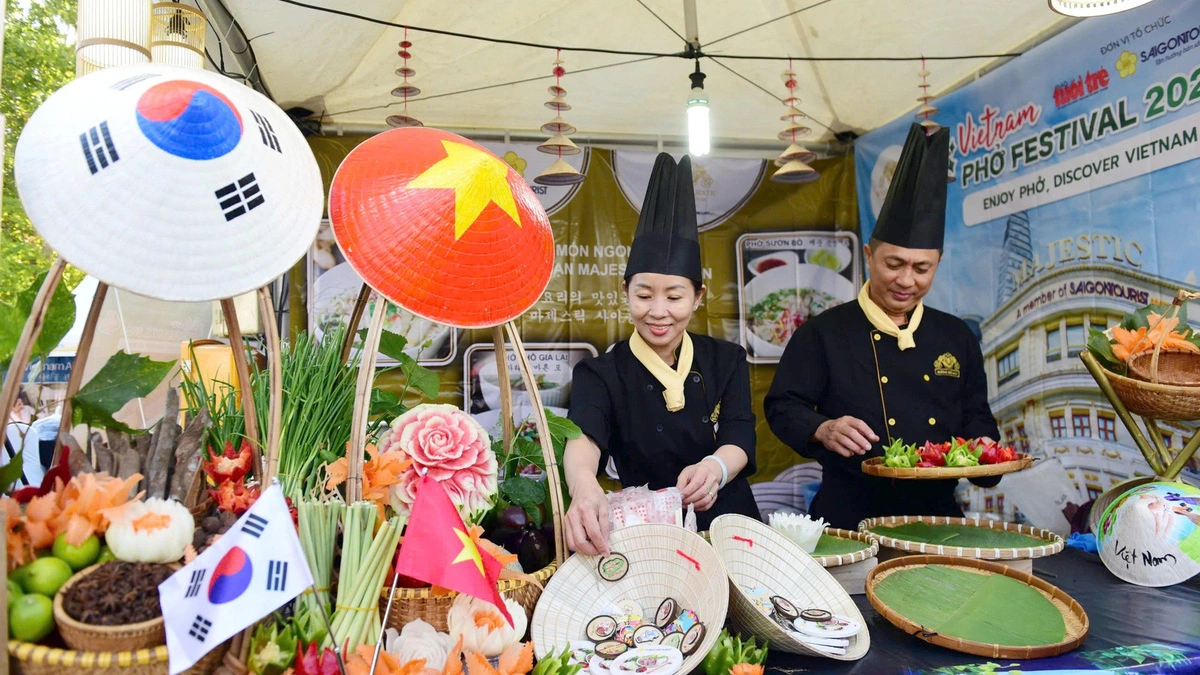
{"points": [[671, 408]]}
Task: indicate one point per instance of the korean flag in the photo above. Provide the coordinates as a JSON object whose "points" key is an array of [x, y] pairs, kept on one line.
{"points": [[249, 572]]}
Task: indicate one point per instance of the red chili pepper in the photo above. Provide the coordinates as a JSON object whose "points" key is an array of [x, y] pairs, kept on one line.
{"points": [[60, 471], [991, 455], [234, 497], [308, 662], [230, 465], [932, 454]]}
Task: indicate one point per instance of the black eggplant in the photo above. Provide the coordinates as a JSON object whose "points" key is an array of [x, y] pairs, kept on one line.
{"points": [[534, 552]]}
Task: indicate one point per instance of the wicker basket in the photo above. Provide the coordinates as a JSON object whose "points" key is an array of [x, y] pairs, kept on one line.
{"points": [[849, 558], [1054, 543], [1174, 368], [756, 555], [86, 637], [411, 604], [1159, 401], [1075, 619], [26, 658], [665, 561]]}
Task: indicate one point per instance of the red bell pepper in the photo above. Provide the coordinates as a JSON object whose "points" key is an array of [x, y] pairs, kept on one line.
{"points": [[991, 455], [230, 465], [932, 454], [308, 662], [234, 497], [60, 471]]}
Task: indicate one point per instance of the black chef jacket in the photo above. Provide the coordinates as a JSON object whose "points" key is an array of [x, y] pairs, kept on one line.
{"points": [[838, 364], [619, 405]]}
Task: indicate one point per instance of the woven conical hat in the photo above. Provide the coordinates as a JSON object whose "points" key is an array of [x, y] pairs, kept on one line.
{"points": [[173, 183]]}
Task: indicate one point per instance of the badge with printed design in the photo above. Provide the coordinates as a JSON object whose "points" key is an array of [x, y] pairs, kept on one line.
{"points": [[946, 365]]}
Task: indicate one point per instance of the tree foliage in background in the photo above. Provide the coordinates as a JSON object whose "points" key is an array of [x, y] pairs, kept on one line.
{"points": [[37, 61]]}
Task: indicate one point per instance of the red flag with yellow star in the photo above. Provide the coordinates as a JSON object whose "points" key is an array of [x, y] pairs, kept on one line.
{"points": [[438, 550], [442, 227]]}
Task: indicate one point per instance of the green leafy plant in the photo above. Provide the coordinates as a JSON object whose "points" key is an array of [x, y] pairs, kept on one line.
{"points": [[557, 664], [519, 489], [387, 404], [731, 650], [228, 422], [123, 378], [60, 316]]}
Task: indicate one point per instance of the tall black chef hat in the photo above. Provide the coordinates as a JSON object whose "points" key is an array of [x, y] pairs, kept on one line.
{"points": [[914, 213], [667, 241]]}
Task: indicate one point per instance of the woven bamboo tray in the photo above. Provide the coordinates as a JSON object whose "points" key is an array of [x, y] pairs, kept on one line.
{"points": [[665, 561], [1054, 543], [756, 555], [420, 603], [26, 658], [1074, 617], [848, 558], [87, 637], [1159, 401], [875, 467]]}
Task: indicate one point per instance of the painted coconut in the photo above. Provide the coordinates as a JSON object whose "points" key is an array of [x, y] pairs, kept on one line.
{"points": [[1150, 535]]}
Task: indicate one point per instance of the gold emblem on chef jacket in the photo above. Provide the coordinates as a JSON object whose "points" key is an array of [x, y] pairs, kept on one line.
{"points": [[716, 413], [946, 365]]}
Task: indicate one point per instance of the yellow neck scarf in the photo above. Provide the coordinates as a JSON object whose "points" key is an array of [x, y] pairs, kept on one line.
{"points": [[670, 378], [884, 324]]}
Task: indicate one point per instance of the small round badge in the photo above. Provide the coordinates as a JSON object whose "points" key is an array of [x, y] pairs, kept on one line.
{"points": [[631, 609], [836, 626], [692, 639], [601, 628], [611, 649], [672, 639], [816, 615], [613, 567], [667, 611], [784, 607], [647, 634]]}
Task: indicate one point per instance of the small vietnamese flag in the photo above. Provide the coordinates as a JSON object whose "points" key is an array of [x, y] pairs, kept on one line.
{"points": [[437, 549]]}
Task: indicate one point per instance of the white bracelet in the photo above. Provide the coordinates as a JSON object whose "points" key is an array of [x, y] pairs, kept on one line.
{"points": [[724, 469]]}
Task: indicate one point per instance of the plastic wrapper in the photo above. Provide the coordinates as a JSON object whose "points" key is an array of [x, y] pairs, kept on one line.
{"points": [[638, 505]]}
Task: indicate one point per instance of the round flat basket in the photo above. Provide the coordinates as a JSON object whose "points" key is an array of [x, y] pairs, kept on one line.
{"points": [[875, 467], [1174, 368], [1159, 401], [27, 658], [411, 604], [844, 547], [757, 556], [962, 537], [977, 607], [664, 561], [88, 637]]}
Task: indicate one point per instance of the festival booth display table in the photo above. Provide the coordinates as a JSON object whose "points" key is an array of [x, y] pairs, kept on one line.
{"points": [[174, 194]]}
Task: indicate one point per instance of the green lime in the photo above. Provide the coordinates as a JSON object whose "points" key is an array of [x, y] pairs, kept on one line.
{"points": [[825, 258], [14, 592], [31, 618], [78, 557], [106, 554], [46, 576]]}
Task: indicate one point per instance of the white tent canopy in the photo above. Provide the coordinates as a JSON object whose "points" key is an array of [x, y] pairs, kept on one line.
{"points": [[343, 67]]}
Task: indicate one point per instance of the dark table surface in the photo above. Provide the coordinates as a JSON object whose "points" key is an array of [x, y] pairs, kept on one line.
{"points": [[1120, 614]]}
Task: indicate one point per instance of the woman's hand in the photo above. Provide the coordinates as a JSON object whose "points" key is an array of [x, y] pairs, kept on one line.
{"points": [[698, 484], [587, 525]]}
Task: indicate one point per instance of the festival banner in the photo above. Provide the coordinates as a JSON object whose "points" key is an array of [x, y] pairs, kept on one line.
{"points": [[1072, 200]]}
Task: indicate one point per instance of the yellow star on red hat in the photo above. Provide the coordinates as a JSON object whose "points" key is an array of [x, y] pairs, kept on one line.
{"points": [[477, 178]]}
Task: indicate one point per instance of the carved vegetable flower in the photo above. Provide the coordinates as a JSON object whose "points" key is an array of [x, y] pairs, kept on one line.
{"points": [[153, 531], [481, 626], [453, 448]]}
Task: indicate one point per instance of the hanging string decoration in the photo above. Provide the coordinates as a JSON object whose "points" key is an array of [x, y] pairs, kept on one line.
{"points": [[793, 162], [407, 89], [560, 172], [926, 112]]}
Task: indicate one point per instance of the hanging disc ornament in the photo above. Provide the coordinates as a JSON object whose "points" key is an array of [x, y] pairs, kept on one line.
{"points": [[173, 183], [442, 227]]}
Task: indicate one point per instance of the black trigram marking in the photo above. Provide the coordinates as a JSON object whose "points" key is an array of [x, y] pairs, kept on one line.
{"points": [[130, 81], [277, 575], [254, 525], [267, 132], [200, 628], [238, 198], [98, 148], [196, 583]]}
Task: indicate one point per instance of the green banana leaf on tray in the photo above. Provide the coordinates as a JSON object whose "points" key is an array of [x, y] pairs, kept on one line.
{"points": [[829, 545], [983, 608], [966, 536]]}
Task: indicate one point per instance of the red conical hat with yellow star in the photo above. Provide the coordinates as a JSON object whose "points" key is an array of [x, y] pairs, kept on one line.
{"points": [[442, 227]]}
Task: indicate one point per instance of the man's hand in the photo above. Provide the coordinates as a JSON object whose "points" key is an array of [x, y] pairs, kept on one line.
{"points": [[846, 436]]}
